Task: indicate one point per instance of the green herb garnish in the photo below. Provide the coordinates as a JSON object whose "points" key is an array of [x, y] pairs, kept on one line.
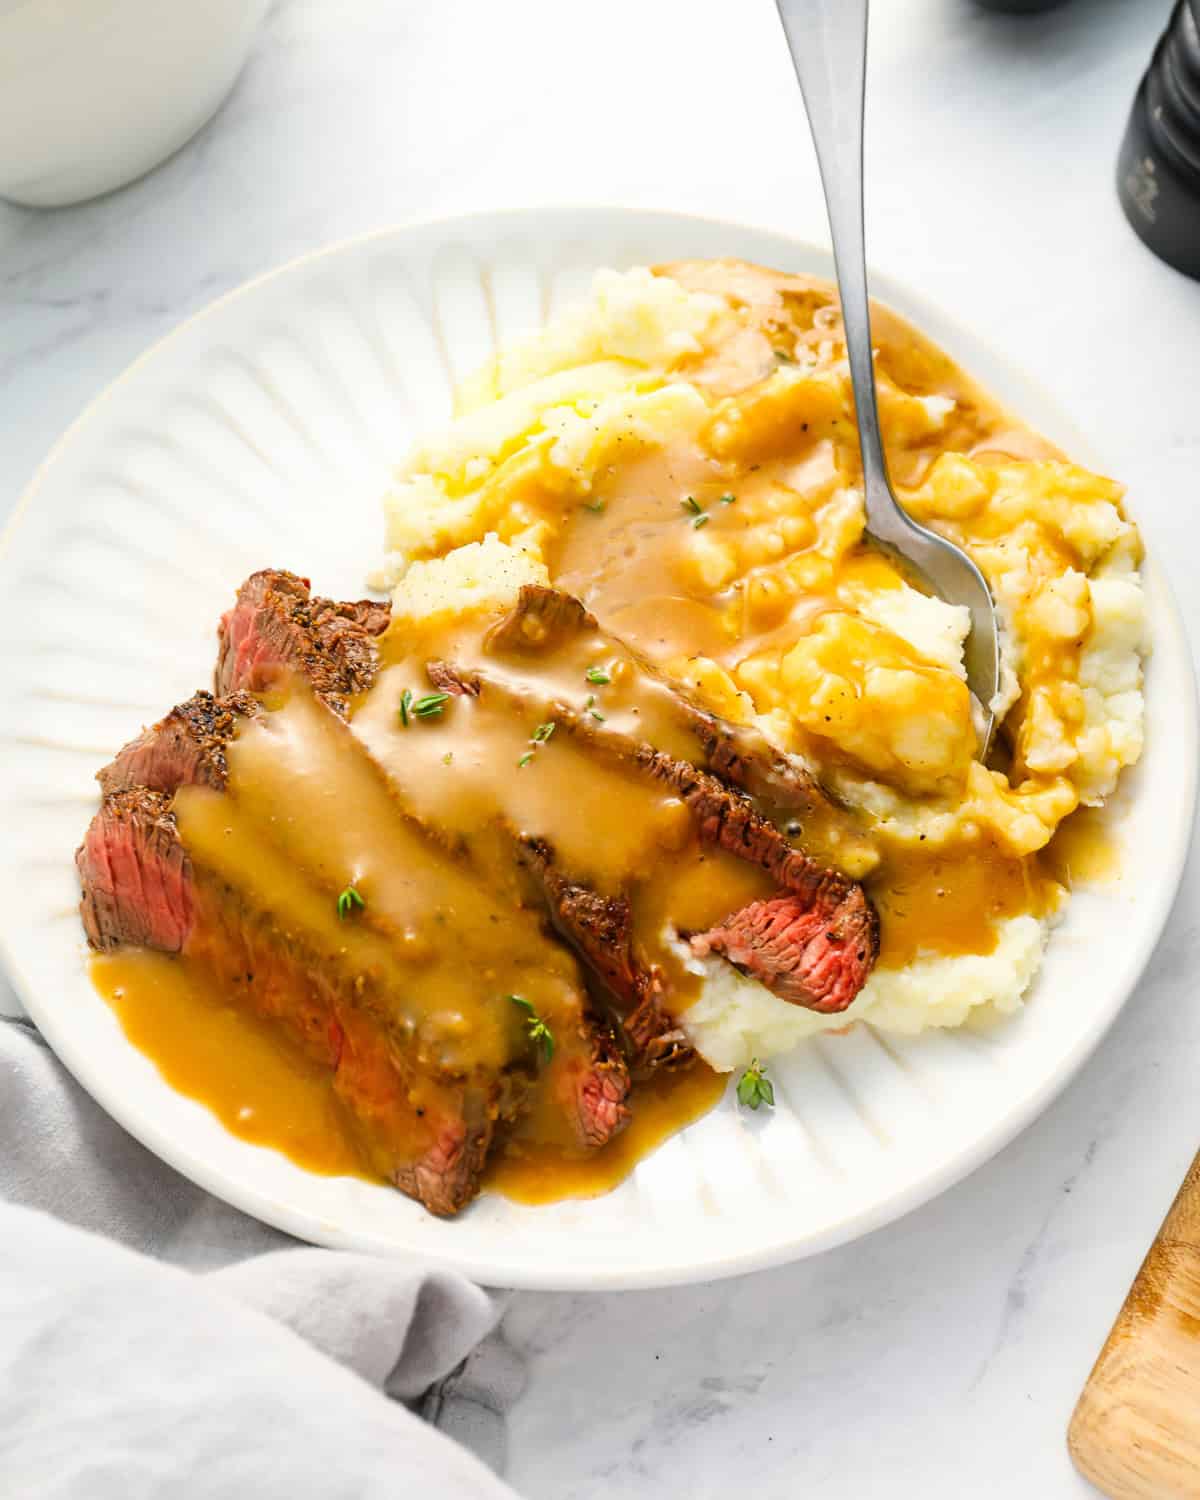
{"points": [[596, 507], [431, 705], [405, 705], [525, 759], [535, 1028], [347, 901], [755, 1088], [700, 521], [595, 712], [727, 500], [689, 503], [598, 675], [542, 733]]}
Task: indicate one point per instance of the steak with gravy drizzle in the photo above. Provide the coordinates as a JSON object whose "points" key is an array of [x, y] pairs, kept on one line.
{"points": [[812, 943], [152, 869], [142, 889], [277, 625]]}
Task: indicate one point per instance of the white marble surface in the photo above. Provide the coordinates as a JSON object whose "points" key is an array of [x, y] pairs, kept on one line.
{"points": [[941, 1356]]}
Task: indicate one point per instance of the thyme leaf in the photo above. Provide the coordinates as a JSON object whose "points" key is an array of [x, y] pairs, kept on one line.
{"points": [[755, 1088], [535, 1028], [347, 901], [430, 706]]}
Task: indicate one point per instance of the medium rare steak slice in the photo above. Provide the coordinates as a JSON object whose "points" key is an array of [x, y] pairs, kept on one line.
{"points": [[843, 924], [136, 876], [189, 747], [315, 649], [596, 1093], [600, 929], [795, 949], [429, 1135], [545, 622], [277, 626], [186, 748], [724, 817]]}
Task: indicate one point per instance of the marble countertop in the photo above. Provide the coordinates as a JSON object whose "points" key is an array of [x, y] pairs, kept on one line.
{"points": [[942, 1355]]}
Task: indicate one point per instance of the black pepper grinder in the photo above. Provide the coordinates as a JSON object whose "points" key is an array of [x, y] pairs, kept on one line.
{"points": [[1158, 170]]}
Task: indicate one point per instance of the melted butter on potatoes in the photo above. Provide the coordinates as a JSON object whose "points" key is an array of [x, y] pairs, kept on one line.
{"points": [[680, 451]]}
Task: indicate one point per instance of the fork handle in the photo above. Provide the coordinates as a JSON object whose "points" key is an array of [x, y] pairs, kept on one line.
{"points": [[828, 43]]}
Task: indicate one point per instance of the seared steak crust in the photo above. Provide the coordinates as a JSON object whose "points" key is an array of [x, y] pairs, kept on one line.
{"points": [[544, 618], [186, 748], [722, 816], [600, 929], [277, 626], [655, 1038], [541, 620]]}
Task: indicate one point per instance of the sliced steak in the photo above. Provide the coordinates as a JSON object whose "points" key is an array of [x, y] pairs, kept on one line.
{"points": [[831, 913], [275, 605], [542, 620], [794, 948], [546, 620], [598, 1088], [655, 1038], [600, 929], [277, 626], [726, 818], [186, 748], [140, 887], [136, 877]]}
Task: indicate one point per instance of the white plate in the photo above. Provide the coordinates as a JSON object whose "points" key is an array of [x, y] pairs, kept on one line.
{"points": [[260, 433]]}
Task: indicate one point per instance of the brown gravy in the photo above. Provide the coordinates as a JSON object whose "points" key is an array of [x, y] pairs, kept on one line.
{"points": [[306, 815], [261, 1088], [949, 903], [1085, 849], [266, 1091], [663, 1105]]}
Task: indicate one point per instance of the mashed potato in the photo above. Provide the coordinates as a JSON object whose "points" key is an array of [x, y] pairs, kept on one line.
{"points": [[680, 450]]}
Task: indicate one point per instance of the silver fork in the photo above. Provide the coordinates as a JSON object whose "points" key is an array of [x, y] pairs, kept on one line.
{"points": [[828, 43]]}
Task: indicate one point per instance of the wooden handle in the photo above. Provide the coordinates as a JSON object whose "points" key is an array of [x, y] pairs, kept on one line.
{"points": [[1136, 1430]]}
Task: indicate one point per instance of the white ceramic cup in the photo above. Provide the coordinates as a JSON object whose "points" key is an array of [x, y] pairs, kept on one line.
{"points": [[95, 92]]}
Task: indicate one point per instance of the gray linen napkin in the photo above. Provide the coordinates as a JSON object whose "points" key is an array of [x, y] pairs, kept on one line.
{"points": [[233, 1362]]}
